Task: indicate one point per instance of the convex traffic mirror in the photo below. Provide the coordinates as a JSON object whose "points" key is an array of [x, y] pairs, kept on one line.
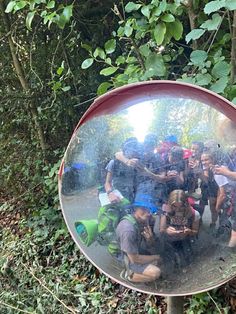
{"points": [[142, 188]]}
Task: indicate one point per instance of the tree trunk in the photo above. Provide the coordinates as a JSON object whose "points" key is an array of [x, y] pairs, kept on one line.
{"points": [[23, 81], [233, 50]]}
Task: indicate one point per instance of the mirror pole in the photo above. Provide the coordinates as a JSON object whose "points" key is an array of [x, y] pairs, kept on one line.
{"points": [[175, 305]]}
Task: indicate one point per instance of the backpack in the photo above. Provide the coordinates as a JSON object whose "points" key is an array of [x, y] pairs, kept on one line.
{"points": [[113, 247], [108, 218]]}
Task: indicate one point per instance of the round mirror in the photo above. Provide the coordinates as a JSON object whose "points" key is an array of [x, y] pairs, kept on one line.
{"points": [[143, 189]]}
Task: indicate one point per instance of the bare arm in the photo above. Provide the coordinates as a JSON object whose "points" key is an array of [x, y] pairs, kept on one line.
{"points": [[113, 198], [220, 198], [143, 259], [225, 172]]}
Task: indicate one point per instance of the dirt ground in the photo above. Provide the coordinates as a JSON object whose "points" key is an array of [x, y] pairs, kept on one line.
{"points": [[211, 266]]}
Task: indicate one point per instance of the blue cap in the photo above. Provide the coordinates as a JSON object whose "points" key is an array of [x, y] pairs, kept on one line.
{"points": [[171, 139], [146, 201]]}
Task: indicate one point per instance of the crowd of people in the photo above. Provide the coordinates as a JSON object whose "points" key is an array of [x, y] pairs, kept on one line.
{"points": [[169, 188]]}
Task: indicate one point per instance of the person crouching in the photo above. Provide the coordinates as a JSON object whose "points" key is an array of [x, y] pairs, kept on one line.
{"points": [[132, 229]]}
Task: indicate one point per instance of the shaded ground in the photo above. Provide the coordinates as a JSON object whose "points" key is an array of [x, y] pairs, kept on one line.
{"points": [[211, 267]]}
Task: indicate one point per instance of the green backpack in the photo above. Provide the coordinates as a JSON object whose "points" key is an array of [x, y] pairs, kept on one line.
{"points": [[113, 247], [108, 218]]}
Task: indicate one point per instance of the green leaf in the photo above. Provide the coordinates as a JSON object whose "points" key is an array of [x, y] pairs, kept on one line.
{"points": [[175, 29], [66, 88], [120, 60], [60, 70], [10, 6], [87, 63], [220, 69], [67, 12], [29, 19], [99, 52], [163, 5], [198, 57], [19, 5], [128, 30], [220, 85], [110, 46], [146, 11], [87, 47], [213, 23], [168, 18], [230, 4], [203, 79], [131, 6], [234, 100], [194, 34], [213, 6], [144, 50], [159, 33], [50, 5], [102, 88], [109, 71], [155, 66]]}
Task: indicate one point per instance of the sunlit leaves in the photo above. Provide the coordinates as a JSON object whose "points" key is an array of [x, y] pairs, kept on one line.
{"points": [[220, 85], [221, 69], [110, 46], [175, 29], [168, 18], [102, 89], [131, 6], [29, 19], [159, 33], [198, 57], [194, 34], [155, 66], [212, 24], [10, 6], [87, 63], [108, 71], [213, 6]]}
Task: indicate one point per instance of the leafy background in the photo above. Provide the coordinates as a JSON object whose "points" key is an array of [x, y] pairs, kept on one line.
{"points": [[56, 57]]}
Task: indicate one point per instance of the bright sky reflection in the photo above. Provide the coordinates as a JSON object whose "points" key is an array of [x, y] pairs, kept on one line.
{"points": [[140, 117]]}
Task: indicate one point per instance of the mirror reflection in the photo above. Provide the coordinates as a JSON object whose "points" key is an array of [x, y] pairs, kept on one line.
{"points": [[148, 194]]}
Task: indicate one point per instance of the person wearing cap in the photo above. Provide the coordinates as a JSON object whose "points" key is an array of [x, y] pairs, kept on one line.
{"points": [[179, 223], [132, 230], [150, 173], [120, 176]]}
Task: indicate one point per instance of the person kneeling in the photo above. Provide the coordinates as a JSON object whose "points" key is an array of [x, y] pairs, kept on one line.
{"points": [[131, 231]]}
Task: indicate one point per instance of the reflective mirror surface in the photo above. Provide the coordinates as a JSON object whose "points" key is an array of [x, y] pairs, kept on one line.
{"points": [[143, 197]]}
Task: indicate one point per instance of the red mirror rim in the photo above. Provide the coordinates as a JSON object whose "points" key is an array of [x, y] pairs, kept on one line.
{"points": [[128, 95]]}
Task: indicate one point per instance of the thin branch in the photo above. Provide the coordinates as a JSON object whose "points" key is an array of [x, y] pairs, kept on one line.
{"points": [[84, 102], [216, 305], [15, 308], [213, 39], [46, 288]]}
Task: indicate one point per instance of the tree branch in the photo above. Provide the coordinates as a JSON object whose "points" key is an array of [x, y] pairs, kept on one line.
{"points": [[233, 50]]}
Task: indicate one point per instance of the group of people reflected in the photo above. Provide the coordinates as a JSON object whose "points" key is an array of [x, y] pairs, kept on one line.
{"points": [[160, 192]]}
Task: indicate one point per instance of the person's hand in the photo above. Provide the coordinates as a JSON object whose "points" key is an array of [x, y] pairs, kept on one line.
{"points": [[133, 162], [113, 198], [147, 233], [173, 232], [172, 173], [223, 170], [187, 231], [193, 164]]}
